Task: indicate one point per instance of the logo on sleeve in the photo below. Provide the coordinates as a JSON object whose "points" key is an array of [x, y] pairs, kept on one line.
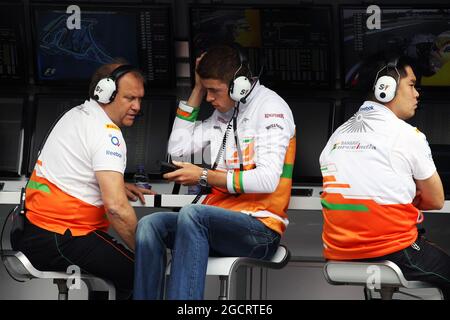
{"points": [[113, 153], [115, 141], [112, 126]]}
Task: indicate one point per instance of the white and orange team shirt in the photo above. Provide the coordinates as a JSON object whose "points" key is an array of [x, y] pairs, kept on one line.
{"points": [[63, 192], [266, 132], [368, 167]]}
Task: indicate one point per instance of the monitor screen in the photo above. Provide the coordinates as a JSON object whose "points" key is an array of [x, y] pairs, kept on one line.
{"points": [[433, 119], [348, 108], [313, 121], [12, 44], [421, 33], [141, 35], [293, 43], [146, 140], [47, 110], [12, 135]]}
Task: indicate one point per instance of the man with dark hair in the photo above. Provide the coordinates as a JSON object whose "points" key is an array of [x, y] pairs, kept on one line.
{"points": [[77, 187], [378, 175], [245, 214]]}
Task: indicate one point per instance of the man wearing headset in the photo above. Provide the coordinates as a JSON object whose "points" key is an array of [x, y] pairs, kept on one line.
{"points": [[77, 187], [252, 139], [378, 174]]}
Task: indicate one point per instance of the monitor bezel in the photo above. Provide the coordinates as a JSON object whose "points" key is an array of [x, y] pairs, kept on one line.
{"points": [[23, 45], [304, 180]]}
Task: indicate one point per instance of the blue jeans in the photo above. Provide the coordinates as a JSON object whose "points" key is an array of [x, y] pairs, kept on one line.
{"points": [[193, 234]]}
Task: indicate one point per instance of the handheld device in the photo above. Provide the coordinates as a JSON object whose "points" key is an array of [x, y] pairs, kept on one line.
{"points": [[167, 167]]}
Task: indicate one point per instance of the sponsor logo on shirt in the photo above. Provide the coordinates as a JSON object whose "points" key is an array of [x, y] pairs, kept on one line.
{"points": [[112, 126], [359, 122], [353, 146], [274, 115], [220, 119], [113, 153], [368, 108], [217, 128], [274, 126], [115, 141]]}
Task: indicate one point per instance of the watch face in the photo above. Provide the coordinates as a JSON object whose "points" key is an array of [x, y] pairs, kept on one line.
{"points": [[203, 181]]}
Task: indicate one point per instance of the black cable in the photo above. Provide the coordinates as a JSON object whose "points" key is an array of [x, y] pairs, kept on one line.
{"points": [[219, 155], [236, 140]]}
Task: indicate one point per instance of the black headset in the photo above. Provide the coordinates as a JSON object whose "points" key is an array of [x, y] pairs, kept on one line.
{"points": [[106, 89]]}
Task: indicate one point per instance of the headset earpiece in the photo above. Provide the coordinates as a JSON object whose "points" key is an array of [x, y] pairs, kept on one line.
{"points": [[240, 85], [106, 89], [385, 87], [239, 88]]}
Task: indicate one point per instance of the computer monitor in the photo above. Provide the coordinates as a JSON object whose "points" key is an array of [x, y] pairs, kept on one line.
{"points": [[348, 108], [13, 66], [146, 140], [47, 109], [292, 42], [433, 119], [12, 136], [313, 120], [140, 34], [419, 32]]}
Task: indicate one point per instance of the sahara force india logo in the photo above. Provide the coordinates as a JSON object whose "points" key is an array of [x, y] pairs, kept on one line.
{"points": [[353, 146]]}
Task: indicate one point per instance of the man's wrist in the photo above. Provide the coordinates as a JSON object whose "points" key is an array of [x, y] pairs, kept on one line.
{"points": [[203, 179]]}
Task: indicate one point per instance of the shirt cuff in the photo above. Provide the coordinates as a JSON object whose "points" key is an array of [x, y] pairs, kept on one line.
{"points": [[187, 112], [235, 181]]}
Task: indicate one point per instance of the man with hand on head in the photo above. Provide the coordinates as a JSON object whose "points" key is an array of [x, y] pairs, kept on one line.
{"points": [[252, 139], [77, 188], [378, 175]]}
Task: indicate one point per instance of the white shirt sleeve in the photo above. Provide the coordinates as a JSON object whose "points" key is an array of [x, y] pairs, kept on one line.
{"points": [[109, 150], [412, 155], [188, 136], [274, 127]]}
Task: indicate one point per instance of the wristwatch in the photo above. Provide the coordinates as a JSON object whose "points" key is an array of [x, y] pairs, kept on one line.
{"points": [[203, 180]]}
